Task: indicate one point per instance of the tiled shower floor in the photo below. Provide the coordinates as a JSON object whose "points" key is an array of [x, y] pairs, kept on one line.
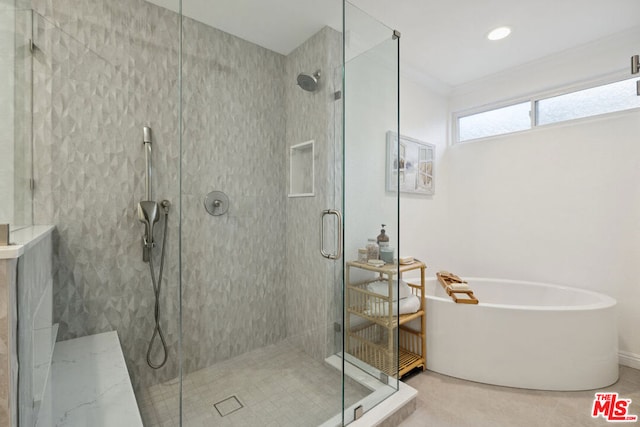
{"points": [[278, 385]]}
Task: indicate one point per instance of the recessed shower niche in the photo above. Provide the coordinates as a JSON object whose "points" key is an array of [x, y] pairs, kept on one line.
{"points": [[301, 169]]}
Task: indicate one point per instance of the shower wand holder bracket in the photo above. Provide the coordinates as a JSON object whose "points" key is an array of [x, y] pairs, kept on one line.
{"points": [[149, 213]]}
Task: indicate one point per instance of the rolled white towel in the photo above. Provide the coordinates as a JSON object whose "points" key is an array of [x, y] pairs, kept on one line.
{"points": [[404, 305], [382, 288]]}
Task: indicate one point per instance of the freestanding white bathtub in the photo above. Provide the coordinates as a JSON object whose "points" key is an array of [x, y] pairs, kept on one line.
{"points": [[524, 334]]}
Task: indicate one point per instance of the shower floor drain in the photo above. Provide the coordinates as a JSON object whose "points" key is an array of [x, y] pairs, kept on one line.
{"points": [[228, 406]]}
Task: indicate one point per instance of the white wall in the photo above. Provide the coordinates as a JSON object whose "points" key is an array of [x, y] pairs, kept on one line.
{"points": [[371, 110], [370, 81], [423, 219], [559, 204]]}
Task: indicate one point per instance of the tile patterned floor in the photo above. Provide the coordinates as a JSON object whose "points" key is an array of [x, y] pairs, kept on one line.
{"points": [[449, 402], [282, 386], [278, 385]]}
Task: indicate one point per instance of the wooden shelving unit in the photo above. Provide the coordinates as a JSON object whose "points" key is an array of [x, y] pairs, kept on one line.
{"points": [[373, 339]]}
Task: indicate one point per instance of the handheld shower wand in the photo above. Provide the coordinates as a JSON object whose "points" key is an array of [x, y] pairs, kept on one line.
{"points": [[149, 213]]}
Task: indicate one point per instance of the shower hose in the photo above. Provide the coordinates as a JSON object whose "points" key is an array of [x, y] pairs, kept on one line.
{"points": [[157, 331]]}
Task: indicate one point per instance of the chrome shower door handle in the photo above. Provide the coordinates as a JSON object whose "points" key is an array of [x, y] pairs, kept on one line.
{"points": [[338, 215]]}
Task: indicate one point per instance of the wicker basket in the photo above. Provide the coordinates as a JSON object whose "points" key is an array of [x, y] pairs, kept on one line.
{"points": [[371, 345]]}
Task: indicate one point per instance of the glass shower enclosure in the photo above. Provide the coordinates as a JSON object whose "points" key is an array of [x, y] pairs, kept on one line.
{"points": [[269, 143], [258, 299], [277, 132]]}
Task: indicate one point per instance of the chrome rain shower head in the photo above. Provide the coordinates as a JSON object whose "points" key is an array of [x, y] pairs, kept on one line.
{"points": [[309, 82]]}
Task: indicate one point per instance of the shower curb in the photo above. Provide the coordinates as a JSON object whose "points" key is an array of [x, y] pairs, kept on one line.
{"points": [[389, 412]]}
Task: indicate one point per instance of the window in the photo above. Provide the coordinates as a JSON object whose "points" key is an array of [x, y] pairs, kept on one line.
{"points": [[607, 98], [616, 96], [495, 122]]}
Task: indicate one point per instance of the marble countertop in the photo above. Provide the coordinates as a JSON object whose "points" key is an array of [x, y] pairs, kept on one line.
{"points": [[24, 238], [91, 384]]}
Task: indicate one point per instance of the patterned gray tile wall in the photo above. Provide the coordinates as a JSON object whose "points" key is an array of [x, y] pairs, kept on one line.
{"points": [[311, 285], [102, 71], [233, 265], [107, 69]]}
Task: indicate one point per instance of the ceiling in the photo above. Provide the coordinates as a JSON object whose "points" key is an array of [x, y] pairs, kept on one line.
{"points": [[446, 39], [443, 41]]}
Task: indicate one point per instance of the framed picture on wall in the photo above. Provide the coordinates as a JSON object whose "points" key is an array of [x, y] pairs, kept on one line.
{"points": [[411, 163]]}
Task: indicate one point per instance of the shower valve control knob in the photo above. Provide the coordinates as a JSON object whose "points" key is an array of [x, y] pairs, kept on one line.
{"points": [[216, 203]]}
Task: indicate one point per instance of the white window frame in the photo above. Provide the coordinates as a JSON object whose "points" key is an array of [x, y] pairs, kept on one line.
{"points": [[533, 100], [486, 108]]}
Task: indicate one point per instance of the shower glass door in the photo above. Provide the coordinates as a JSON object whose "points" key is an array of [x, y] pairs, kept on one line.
{"points": [[16, 70], [371, 112], [259, 302], [264, 162]]}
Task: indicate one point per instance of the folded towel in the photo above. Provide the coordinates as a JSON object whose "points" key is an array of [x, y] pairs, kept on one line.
{"points": [[458, 287], [381, 308], [382, 288], [450, 277]]}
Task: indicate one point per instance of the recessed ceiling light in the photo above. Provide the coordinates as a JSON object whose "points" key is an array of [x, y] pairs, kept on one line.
{"points": [[499, 33]]}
